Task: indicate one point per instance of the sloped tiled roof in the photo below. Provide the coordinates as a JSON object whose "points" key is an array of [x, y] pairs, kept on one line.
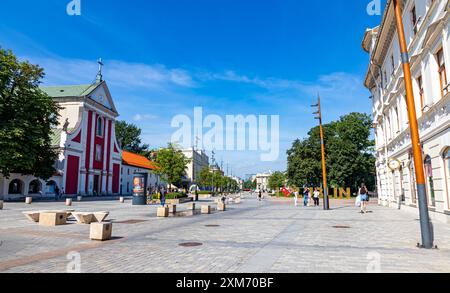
{"points": [[135, 160]]}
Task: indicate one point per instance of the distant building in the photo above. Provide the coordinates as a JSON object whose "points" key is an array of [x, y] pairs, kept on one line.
{"points": [[133, 164], [199, 161], [262, 181], [428, 38]]}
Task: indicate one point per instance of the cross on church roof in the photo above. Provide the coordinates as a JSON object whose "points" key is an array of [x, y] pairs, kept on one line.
{"points": [[99, 77]]}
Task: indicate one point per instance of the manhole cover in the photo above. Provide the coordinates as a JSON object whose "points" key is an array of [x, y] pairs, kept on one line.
{"points": [[212, 226], [131, 222], [341, 227], [191, 244]]}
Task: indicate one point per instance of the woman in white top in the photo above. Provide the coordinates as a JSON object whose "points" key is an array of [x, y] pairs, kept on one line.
{"points": [[316, 198]]}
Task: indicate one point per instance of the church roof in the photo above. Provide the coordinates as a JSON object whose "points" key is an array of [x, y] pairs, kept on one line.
{"points": [[135, 160], [70, 90]]}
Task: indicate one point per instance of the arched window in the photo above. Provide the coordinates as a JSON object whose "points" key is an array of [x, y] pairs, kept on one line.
{"points": [[446, 157], [35, 187], [15, 187], [99, 126], [429, 174]]}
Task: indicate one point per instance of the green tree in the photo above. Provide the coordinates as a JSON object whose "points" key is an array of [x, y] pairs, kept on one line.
{"points": [[349, 154], [27, 117], [171, 164], [249, 184], [129, 137], [277, 180], [205, 177]]}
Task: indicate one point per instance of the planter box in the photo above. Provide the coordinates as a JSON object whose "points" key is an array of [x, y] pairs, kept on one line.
{"points": [[204, 196], [101, 231], [178, 201]]}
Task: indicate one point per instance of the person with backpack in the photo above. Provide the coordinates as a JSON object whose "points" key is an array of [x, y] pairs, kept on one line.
{"points": [[364, 194]]}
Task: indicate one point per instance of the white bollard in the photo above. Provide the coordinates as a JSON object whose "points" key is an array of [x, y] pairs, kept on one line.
{"points": [[28, 200], [68, 202]]}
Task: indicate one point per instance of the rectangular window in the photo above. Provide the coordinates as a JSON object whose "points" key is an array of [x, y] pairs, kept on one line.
{"points": [[442, 72], [98, 153]]}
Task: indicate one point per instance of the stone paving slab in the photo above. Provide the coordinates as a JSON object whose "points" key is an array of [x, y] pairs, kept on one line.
{"points": [[260, 237]]}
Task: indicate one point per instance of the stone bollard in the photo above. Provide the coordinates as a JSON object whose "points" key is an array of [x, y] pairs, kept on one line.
{"points": [[79, 198], [172, 209], [1, 204], [68, 202], [28, 200], [206, 209], [101, 231], [163, 212], [122, 199], [221, 207]]}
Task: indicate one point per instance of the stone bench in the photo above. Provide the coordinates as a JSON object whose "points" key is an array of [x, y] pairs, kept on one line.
{"points": [[84, 218], [100, 231], [206, 209], [221, 207], [51, 219], [32, 216], [172, 209], [100, 216], [162, 212]]}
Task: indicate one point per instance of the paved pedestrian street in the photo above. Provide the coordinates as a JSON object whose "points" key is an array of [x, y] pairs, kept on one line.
{"points": [[254, 237]]}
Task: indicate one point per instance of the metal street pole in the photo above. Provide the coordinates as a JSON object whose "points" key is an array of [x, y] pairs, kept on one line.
{"points": [[427, 237], [326, 202]]}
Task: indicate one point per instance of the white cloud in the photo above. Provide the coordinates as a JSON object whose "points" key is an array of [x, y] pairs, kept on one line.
{"points": [[144, 117]]}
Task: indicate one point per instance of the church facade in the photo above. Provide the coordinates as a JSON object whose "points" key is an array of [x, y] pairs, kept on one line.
{"points": [[90, 159]]}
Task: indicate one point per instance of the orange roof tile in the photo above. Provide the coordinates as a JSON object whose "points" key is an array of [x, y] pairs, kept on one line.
{"points": [[135, 160]]}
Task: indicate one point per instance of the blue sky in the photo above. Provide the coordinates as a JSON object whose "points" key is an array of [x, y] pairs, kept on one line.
{"points": [[165, 57]]}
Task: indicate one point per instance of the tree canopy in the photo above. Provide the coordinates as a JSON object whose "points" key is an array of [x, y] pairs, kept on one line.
{"points": [[27, 117], [349, 154], [171, 164], [277, 180], [129, 137]]}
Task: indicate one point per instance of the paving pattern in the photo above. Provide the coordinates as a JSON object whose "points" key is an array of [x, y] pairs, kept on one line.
{"points": [[254, 237]]}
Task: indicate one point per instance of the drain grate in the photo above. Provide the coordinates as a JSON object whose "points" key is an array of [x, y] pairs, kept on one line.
{"points": [[190, 244], [341, 227], [131, 222]]}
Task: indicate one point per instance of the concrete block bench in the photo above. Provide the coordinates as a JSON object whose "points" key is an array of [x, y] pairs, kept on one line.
{"points": [[32, 216], [163, 212], [51, 219], [172, 209], [101, 231], [84, 218], [206, 209], [100, 216], [221, 207]]}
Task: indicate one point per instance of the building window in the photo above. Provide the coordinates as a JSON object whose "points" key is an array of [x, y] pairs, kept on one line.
{"points": [[429, 174], [35, 187], [421, 93], [442, 72], [447, 174], [100, 127], [15, 187], [397, 120], [412, 180]]}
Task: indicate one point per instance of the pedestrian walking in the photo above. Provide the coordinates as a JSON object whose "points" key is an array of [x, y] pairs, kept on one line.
{"points": [[260, 195], [163, 197], [306, 192], [296, 198], [364, 194], [316, 198]]}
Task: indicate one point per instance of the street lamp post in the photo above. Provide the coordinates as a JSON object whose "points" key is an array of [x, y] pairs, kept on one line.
{"points": [[326, 202], [427, 237]]}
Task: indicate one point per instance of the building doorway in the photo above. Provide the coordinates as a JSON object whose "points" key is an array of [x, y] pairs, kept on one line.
{"points": [[96, 185]]}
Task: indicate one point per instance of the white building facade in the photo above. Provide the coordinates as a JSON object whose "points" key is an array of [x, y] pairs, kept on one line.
{"points": [[262, 181], [199, 161], [427, 33]]}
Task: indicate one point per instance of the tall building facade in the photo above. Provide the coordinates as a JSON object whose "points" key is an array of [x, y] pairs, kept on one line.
{"points": [[427, 33], [90, 158], [199, 161]]}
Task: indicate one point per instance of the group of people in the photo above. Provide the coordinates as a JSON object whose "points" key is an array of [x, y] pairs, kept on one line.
{"points": [[307, 197]]}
